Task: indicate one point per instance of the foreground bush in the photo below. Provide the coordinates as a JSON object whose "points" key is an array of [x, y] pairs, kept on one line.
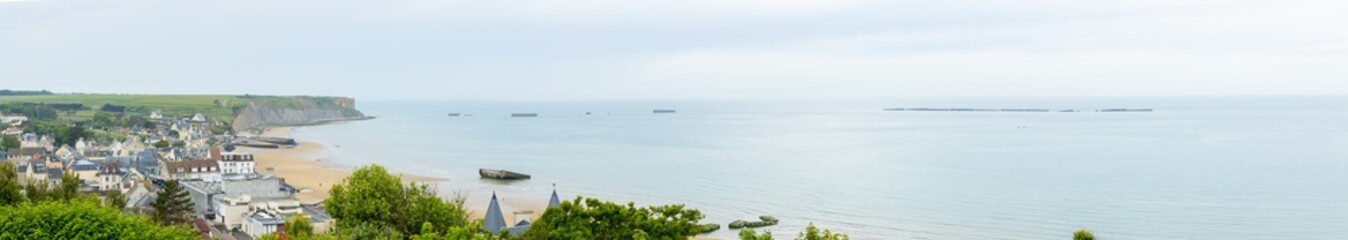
{"points": [[81, 219], [595, 219], [811, 233], [372, 203]]}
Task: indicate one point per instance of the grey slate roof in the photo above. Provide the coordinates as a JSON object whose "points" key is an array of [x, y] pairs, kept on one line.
{"points": [[55, 173], [519, 229], [494, 221], [84, 165], [38, 166], [553, 202], [26, 151], [145, 162]]}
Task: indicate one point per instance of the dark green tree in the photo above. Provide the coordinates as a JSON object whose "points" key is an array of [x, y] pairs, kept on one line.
{"points": [[69, 188], [595, 219], [171, 206], [104, 119], [11, 192], [81, 219], [1083, 235], [10, 142], [115, 199], [136, 121], [373, 200], [68, 135], [37, 190]]}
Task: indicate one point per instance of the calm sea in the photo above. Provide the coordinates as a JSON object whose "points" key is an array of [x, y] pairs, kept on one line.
{"points": [[1196, 168]]}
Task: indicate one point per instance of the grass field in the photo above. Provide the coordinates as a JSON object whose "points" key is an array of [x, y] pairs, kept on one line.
{"points": [[171, 105]]}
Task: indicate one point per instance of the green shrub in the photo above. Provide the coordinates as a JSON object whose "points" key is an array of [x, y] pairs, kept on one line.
{"points": [[81, 218], [1083, 235]]}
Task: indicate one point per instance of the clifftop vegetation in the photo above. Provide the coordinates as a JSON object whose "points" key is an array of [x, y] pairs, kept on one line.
{"points": [[79, 107]]}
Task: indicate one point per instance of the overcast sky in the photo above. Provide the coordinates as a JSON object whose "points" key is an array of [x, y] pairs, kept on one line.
{"points": [[723, 49]]}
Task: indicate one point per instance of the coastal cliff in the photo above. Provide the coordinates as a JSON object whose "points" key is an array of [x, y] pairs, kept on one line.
{"points": [[289, 111]]}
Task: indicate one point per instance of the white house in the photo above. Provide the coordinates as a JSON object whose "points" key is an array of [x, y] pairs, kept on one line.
{"points": [[243, 164], [111, 177], [229, 211], [84, 169], [233, 162], [265, 217], [80, 145], [261, 223], [64, 153]]}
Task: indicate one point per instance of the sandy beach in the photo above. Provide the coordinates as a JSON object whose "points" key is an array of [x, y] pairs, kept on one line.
{"points": [[303, 167]]}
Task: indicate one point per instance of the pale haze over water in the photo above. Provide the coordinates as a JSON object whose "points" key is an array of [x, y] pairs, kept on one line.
{"points": [[1198, 167]]}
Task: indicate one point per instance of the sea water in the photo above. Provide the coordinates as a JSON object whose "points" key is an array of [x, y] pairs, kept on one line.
{"points": [[1200, 167]]}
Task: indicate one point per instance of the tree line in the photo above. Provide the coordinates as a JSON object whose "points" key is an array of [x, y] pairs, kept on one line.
{"points": [[8, 92], [370, 204], [34, 111]]}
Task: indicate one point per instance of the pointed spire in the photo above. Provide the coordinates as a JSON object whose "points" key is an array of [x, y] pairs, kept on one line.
{"points": [[553, 202], [494, 221]]}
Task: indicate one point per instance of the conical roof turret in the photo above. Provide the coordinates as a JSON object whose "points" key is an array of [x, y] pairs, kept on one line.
{"points": [[494, 221], [554, 201]]}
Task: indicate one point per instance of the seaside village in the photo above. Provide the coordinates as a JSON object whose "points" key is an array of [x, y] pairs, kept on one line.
{"points": [[231, 199]]}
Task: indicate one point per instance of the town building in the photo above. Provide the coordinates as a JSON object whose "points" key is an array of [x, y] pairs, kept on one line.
{"points": [[241, 213], [214, 199], [261, 223], [112, 176], [208, 170], [25, 153], [234, 162], [32, 170]]}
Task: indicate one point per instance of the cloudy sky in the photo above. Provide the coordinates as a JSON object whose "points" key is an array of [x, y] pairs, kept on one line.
{"points": [[723, 49]]}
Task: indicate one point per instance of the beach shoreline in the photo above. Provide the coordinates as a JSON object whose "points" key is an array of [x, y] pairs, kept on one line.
{"points": [[304, 166], [307, 168]]}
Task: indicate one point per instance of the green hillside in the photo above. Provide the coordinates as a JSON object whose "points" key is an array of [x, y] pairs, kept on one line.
{"points": [[221, 107]]}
